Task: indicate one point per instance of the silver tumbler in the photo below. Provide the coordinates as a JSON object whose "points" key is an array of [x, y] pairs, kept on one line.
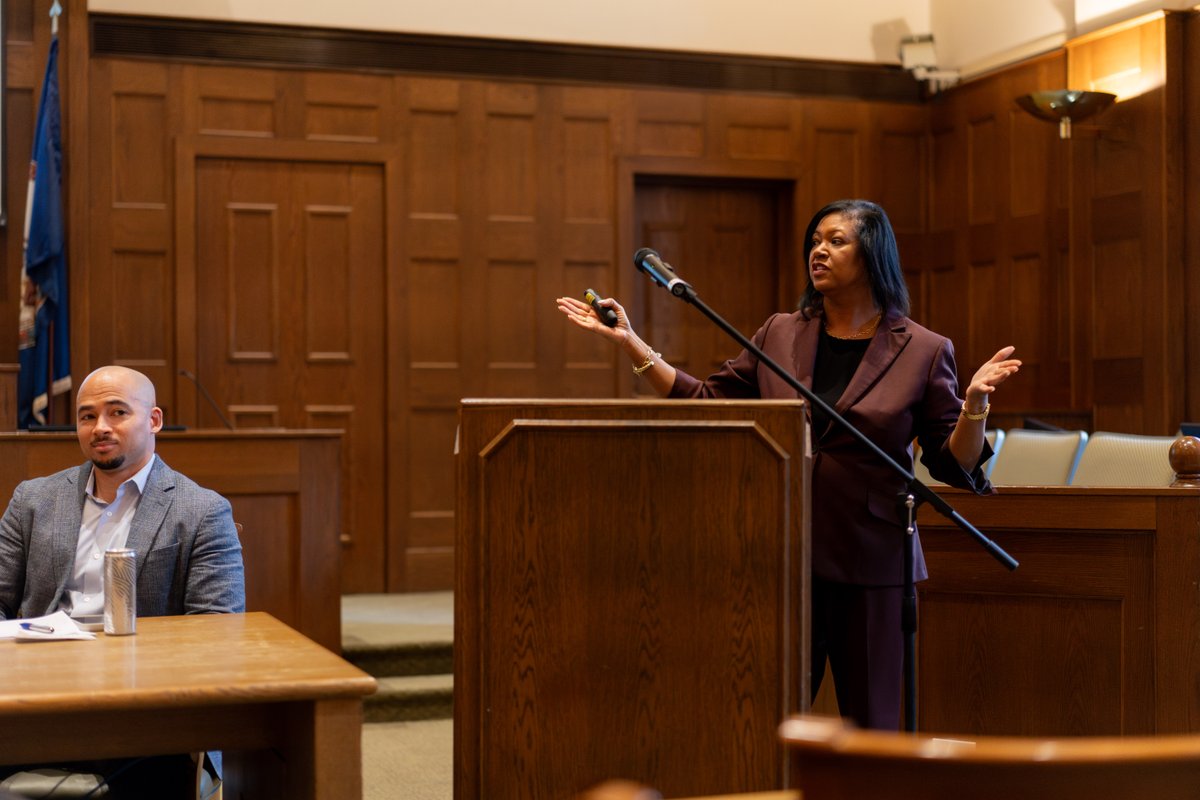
{"points": [[120, 592]]}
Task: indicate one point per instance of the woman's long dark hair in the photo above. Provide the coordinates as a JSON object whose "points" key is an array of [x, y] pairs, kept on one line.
{"points": [[877, 243]]}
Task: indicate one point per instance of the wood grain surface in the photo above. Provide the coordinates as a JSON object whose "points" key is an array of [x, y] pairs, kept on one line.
{"points": [[287, 712]]}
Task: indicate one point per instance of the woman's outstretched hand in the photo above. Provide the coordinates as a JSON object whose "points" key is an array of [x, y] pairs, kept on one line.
{"points": [[583, 315]]}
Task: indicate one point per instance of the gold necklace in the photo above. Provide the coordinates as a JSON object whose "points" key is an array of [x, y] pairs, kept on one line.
{"points": [[861, 333]]}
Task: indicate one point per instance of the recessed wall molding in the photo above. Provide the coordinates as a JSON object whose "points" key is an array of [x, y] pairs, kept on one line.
{"points": [[309, 48]]}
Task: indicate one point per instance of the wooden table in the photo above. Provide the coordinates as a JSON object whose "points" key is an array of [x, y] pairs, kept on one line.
{"points": [[287, 712]]}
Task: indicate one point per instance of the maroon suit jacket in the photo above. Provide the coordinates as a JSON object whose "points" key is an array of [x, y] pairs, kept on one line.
{"points": [[906, 387]]}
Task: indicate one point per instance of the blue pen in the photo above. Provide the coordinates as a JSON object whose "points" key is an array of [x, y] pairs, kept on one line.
{"points": [[37, 627]]}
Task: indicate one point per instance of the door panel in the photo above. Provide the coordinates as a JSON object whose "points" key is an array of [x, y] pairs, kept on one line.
{"points": [[291, 320], [724, 239]]}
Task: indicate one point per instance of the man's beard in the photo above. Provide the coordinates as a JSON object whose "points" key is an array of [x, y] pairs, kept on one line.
{"points": [[109, 464]]}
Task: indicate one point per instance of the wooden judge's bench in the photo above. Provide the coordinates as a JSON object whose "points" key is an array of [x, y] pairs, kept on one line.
{"points": [[285, 489], [1096, 633]]}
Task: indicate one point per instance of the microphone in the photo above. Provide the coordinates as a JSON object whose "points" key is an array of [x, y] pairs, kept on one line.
{"points": [[649, 262], [606, 314], [187, 374]]}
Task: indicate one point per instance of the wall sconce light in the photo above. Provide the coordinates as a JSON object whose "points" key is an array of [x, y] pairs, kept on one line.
{"points": [[1065, 106], [917, 55]]}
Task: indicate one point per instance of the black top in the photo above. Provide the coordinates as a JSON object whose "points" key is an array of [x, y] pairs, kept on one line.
{"points": [[837, 361]]}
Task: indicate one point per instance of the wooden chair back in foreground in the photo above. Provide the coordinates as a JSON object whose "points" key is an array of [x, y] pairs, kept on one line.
{"points": [[830, 760], [620, 790], [1124, 459], [1038, 458], [627, 790]]}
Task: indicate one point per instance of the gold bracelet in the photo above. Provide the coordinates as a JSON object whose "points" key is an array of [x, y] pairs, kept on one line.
{"points": [[648, 363], [976, 417]]}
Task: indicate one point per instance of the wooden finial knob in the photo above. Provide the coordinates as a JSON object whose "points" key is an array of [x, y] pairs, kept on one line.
{"points": [[1185, 460]]}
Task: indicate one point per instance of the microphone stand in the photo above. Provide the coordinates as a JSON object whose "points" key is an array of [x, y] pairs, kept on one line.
{"points": [[916, 491]]}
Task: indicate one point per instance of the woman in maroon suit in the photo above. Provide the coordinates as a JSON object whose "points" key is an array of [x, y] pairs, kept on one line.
{"points": [[853, 344]]}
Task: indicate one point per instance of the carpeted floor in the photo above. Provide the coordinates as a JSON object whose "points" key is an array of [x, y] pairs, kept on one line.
{"points": [[408, 760], [396, 618], [404, 760]]}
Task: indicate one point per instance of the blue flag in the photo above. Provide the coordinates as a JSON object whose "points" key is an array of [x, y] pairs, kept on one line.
{"points": [[45, 335]]}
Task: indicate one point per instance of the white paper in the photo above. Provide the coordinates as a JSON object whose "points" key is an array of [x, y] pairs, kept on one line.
{"points": [[64, 628]]}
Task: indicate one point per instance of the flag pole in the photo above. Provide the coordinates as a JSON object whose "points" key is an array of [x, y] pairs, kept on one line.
{"points": [[56, 11]]}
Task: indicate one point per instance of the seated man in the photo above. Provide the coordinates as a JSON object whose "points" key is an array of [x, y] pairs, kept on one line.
{"points": [[56, 529]]}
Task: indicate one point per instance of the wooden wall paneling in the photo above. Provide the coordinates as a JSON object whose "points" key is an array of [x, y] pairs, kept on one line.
{"points": [[772, 130], [724, 236], [489, 234], [440, 236], [513, 210], [1130, 237], [1039, 314], [340, 107], [897, 161], [397, 342], [21, 77], [781, 180], [131, 286], [661, 220], [943, 280], [762, 128], [230, 101], [996, 207], [344, 270], [586, 142], [75, 105], [836, 136], [669, 123], [186, 278], [1191, 224], [1171, 403], [986, 278], [292, 239]]}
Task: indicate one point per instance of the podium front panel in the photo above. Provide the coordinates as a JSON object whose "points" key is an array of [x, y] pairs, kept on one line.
{"points": [[630, 599]]}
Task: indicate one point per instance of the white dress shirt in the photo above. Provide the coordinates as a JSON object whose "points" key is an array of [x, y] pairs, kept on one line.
{"points": [[105, 526]]}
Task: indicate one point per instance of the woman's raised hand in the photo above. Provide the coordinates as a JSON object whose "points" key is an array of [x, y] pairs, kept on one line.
{"points": [[994, 372], [583, 315]]}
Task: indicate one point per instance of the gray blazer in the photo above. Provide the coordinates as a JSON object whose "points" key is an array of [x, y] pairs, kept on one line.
{"points": [[189, 559]]}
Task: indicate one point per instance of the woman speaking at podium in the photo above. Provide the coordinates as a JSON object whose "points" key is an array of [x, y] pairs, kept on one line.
{"points": [[853, 344]]}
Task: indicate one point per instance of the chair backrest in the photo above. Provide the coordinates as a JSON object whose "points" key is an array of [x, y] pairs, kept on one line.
{"points": [[1121, 459], [994, 436], [831, 761], [1038, 458]]}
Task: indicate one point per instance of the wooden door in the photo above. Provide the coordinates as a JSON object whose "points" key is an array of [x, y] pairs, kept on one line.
{"points": [[723, 238], [290, 320]]}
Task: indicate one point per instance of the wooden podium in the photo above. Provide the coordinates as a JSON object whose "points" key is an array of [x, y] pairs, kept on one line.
{"points": [[630, 595]]}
